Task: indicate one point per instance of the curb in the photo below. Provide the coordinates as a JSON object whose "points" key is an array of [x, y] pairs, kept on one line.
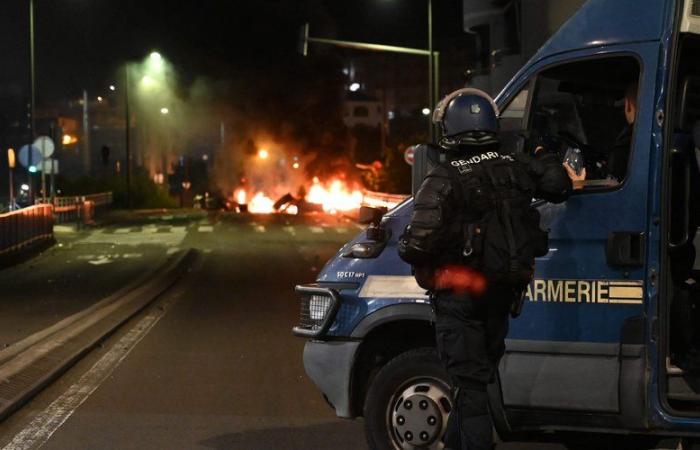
{"points": [[28, 366]]}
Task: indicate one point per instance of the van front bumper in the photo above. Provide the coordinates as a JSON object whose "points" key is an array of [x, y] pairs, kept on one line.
{"points": [[329, 365]]}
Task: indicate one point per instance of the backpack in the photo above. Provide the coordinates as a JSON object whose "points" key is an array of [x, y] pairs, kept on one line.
{"points": [[500, 229]]}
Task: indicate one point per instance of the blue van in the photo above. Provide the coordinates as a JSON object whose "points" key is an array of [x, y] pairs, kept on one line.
{"points": [[606, 339]]}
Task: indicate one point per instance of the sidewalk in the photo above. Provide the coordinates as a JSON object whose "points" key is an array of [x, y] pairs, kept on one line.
{"points": [[64, 280]]}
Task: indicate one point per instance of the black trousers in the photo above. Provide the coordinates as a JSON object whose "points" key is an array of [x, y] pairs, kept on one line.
{"points": [[470, 335]]}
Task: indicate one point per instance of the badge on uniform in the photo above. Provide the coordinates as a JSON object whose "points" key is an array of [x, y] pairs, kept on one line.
{"points": [[465, 169], [476, 109]]}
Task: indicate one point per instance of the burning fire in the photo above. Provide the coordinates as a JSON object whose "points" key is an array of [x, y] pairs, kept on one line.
{"points": [[333, 197], [336, 197], [261, 204], [240, 196]]}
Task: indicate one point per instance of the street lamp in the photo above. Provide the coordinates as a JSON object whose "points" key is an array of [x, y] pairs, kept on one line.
{"points": [[263, 153], [164, 111], [11, 162]]}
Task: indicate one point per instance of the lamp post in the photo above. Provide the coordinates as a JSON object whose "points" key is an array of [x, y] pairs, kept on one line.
{"points": [[11, 162], [32, 91], [433, 57], [127, 135]]}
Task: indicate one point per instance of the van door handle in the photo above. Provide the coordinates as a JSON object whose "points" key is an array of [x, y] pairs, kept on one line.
{"points": [[626, 249]]}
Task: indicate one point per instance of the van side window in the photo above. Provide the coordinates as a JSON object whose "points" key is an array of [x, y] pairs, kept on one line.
{"points": [[512, 122], [588, 105]]}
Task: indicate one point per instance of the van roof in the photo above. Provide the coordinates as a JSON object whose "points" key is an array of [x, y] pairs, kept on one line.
{"points": [[608, 22]]}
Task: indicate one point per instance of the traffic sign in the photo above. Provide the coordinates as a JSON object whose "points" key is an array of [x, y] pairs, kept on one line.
{"points": [[24, 156], [408, 155], [49, 166], [45, 146]]}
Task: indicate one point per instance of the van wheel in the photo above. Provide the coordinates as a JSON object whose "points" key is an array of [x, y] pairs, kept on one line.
{"points": [[408, 403]]}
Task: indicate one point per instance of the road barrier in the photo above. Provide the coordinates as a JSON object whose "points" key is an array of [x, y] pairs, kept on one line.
{"points": [[381, 199], [25, 228], [80, 208]]}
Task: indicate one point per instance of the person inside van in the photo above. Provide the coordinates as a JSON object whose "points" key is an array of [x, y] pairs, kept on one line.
{"points": [[615, 166]]}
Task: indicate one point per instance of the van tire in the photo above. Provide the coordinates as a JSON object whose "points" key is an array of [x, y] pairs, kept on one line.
{"points": [[418, 368]]}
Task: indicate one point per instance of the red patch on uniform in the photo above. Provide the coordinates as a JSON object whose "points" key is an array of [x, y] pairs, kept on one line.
{"points": [[460, 279]]}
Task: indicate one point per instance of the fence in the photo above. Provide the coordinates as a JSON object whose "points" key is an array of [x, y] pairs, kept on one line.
{"points": [[25, 228], [77, 208]]}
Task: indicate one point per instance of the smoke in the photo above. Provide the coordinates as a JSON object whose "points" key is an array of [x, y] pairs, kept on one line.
{"points": [[294, 116]]}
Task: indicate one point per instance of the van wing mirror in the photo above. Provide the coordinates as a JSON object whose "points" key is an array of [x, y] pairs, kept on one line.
{"points": [[425, 158], [370, 215]]}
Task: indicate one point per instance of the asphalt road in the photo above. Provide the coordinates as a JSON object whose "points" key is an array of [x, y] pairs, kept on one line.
{"points": [[213, 364]]}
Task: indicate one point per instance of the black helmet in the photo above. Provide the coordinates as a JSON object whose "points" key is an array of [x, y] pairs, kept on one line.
{"points": [[467, 117]]}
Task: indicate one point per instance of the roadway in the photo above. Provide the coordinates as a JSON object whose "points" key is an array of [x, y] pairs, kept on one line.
{"points": [[212, 364]]}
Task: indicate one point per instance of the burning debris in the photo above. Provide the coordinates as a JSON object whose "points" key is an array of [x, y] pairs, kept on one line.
{"points": [[334, 196]]}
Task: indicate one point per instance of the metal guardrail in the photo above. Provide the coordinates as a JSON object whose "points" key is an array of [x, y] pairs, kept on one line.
{"points": [[74, 208], [25, 228], [381, 199]]}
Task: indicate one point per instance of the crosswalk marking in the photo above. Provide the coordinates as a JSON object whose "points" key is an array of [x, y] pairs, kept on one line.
{"points": [[341, 230], [290, 230], [260, 228], [316, 230], [122, 230], [205, 229]]}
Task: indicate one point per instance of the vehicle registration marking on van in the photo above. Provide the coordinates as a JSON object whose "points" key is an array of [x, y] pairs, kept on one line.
{"points": [[624, 292]]}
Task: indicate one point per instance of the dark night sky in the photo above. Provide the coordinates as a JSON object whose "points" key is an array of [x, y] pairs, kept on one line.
{"points": [[81, 43]]}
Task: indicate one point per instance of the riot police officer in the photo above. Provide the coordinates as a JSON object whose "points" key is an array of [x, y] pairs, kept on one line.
{"points": [[472, 240]]}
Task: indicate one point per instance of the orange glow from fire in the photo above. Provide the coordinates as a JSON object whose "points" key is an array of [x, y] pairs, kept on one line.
{"points": [[240, 196], [334, 197], [261, 204]]}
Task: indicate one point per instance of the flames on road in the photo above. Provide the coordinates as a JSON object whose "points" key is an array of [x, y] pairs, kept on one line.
{"points": [[333, 196]]}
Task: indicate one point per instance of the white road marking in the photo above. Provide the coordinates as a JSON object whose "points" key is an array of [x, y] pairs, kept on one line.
{"points": [[172, 250], [172, 238], [87, 257], [290, 230], [205, 229], [132, 255], [316, 230], [341, 230], [47, 422], [260, 228], [63, 229], [100, 261], [122, 230]]}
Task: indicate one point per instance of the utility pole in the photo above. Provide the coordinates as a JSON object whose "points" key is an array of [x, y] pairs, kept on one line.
{"points": [[86, 133], [32, 89], [127, 135], [433, 56], [432, 80]]}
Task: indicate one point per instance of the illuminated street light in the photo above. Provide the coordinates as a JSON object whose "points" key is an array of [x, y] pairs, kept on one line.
{"points": [[99, 99], [426, 111], [11, 162], [295, 165], [155, 57], [164, 110], [112, 88], [147, 81], [32, 169], [263, 153], [69, 139], [354, 87]]}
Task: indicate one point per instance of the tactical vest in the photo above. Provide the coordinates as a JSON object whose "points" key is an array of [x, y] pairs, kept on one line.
{"points": [[500, 229]]}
